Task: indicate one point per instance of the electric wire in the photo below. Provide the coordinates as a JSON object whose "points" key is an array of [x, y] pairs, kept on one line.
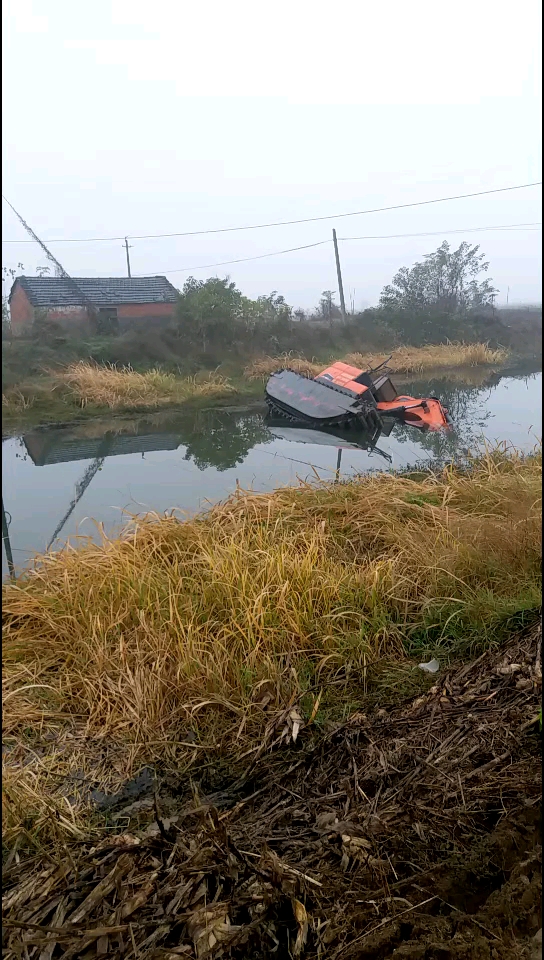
{"points": [[288, 223]]}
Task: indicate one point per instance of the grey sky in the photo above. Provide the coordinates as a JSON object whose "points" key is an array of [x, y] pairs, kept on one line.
{"points": [[124, 117]]}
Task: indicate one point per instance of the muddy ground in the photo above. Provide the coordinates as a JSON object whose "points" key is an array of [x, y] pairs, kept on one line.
{"points": [[413, 833]]}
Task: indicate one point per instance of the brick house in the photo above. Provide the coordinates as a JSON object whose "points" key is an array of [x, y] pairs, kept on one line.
{"points": [[118, 303]]}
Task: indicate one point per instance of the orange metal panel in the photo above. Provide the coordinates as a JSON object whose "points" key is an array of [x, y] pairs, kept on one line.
{"points": [[343, 375]]}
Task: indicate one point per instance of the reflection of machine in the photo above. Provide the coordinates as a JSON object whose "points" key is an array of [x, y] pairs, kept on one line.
{"points": [[354, 439], [344, 396]]}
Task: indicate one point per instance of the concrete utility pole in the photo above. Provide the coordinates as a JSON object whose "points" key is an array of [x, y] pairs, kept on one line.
{"points": [[127, 248], [339, 275]]}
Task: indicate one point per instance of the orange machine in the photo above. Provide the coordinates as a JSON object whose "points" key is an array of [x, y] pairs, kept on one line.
{"points": [[428, 414], [345, 376], [344, 396]]}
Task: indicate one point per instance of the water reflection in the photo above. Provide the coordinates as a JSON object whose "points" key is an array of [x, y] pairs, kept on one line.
{"points": [[474, 412], [212, 438], [222, 439], [56, 478], [342, 439]]}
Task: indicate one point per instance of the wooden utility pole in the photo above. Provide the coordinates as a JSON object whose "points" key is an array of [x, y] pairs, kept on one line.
{"points": [[127, 248], [339, 275]]}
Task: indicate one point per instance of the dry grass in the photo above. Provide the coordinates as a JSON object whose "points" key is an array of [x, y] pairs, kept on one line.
{"points": [[234, 874], [404, 360], [106, 385], [263, 367], [62, 392], [183, 639], [15, 401], [434, 356]]}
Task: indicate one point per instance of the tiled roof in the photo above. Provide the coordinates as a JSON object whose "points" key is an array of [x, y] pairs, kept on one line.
{"points": [[90, 449], [101, 292]]}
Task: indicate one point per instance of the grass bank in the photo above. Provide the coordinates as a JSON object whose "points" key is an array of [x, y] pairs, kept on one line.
{"points": [[84, 389], [204, 642], [409, 360], [107, 386]]}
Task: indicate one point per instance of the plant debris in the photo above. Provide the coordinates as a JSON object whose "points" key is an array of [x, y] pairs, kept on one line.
{"points": [[412, 833]]}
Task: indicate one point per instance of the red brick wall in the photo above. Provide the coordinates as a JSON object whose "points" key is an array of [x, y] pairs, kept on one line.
{"points": [[60, 314], [72, 319], [21, 312], [145, 316], [75, 318], [146, 310]]}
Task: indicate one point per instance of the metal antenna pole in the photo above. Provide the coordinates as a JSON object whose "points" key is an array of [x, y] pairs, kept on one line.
{"points": [[339, 275]]}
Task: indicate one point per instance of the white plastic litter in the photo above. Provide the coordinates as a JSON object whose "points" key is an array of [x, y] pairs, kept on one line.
{"points": [[432, 666]]}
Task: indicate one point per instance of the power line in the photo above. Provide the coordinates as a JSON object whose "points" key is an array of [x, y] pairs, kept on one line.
{"points": [[436, 233], [288, 223], [320, 243], [223, 263]]}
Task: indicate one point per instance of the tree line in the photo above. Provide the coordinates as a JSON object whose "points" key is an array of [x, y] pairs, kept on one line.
{"points": [[446, 295]]}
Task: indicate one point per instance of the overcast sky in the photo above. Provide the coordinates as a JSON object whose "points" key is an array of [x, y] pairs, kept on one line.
{"points": [[124, 117]]}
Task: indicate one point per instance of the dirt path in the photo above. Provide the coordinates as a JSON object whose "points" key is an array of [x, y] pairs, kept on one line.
{"points": [[409, 834]]}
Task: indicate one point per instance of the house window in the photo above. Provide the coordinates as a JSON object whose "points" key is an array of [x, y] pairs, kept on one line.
{"points": [[107, 320]]}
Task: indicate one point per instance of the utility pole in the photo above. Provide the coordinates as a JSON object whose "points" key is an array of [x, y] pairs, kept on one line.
{"points": [[339, 275], [338, 462], [127, 248], [7, 544], [59, 269]]}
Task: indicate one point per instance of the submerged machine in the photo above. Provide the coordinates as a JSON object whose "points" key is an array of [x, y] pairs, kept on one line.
{"points": [[337, 437], [342, 396]]}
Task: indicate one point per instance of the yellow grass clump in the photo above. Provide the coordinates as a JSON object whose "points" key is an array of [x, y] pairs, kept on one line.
{"points": [[122, 387], [183, 640], [404, 360], [434, 356], [264, 367]]}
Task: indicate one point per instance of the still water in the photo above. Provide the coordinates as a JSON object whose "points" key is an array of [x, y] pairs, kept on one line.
{"points": [[60, 483]]}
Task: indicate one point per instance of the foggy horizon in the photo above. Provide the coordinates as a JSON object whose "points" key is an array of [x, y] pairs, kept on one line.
{"points": [[203, 119]]}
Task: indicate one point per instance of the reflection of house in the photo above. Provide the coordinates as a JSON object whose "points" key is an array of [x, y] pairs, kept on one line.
{"points": [[45, 448], [120, 303]]}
